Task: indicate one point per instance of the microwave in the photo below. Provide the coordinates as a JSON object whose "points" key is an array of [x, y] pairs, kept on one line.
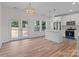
{"points": [[70, 23]]}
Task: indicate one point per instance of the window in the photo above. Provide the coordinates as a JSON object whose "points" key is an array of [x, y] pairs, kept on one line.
{"points": [[24, 23], [14, 24], [14, 28], [37, 26], [43, 25]]}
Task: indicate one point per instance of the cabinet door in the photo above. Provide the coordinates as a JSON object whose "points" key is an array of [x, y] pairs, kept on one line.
{"points": [[57, 25]]}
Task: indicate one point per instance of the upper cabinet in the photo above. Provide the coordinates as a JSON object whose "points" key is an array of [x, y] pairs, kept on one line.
{"points": [[65, 19], [73, 17], [56, 23]]}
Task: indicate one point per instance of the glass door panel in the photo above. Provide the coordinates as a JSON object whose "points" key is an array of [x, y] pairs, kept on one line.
{"points": [[37, 26], [24, 29], [14, 29]]}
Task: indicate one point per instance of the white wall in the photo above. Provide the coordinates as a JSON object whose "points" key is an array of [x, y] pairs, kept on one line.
{"points": [[74, 17], [8, 13], [0, 26]]}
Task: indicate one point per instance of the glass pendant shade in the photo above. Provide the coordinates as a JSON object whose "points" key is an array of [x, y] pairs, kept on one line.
{"points": [[29, 10]]}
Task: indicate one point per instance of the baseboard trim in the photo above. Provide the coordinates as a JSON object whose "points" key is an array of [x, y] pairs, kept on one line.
{"points": [[21, 39], [36, 37]]}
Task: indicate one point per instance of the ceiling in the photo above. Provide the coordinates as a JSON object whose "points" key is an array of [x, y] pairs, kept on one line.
{"points": [[43, 8]]}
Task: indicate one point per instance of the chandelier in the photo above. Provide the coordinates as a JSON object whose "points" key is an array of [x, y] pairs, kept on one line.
{"points": [[29, 10]]}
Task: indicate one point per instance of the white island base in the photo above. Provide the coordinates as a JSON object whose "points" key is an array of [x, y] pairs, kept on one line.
{"points": [[55, 36]]}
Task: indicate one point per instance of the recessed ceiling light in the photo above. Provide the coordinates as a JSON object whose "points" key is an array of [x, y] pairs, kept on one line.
{"points": [[73, 3]]}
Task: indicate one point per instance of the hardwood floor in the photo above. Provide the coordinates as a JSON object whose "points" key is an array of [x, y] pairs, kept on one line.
{"points": [[38, 47]]}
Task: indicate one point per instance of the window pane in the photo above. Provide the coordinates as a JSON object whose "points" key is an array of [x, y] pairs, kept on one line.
{"points": [[43, 25], [14, 24], [24, 23], [37, 26]]}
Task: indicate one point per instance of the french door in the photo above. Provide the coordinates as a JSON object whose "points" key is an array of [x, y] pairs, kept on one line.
{"points": [[19, 29], [24, 29]]}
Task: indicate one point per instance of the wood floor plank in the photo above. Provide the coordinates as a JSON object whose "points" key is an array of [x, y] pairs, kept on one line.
{"points": [[38, 47]]}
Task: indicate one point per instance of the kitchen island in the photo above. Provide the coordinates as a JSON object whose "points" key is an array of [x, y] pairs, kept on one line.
{"points": [[54, 35]]}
